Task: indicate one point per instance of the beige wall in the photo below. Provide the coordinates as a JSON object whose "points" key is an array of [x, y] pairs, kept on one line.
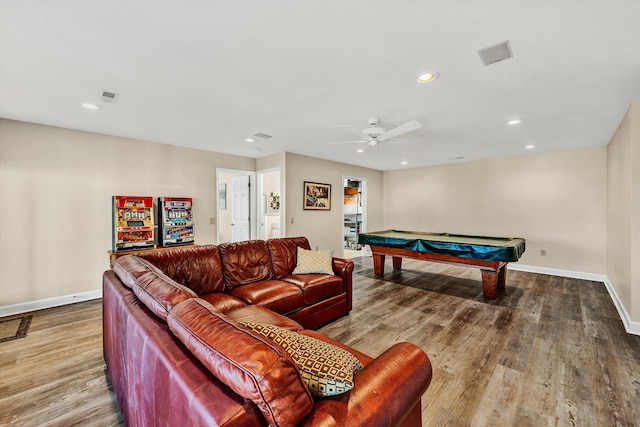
{"points": [[623, 225], [324, 229], [55, 202], [556, 201], [56, 187]]}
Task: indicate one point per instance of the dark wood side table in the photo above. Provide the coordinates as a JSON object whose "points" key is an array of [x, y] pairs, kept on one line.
{"points": [[114, 255]]}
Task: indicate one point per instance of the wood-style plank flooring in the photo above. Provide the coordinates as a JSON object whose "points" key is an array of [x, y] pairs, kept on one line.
{"points": [[549, 351], [56, 375]]}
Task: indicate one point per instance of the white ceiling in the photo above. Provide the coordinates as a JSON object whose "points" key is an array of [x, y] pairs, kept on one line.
{"points": [[208, 74]]}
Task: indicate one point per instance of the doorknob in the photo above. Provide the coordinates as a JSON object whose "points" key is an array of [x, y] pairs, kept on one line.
{"points": [[232, 224]]}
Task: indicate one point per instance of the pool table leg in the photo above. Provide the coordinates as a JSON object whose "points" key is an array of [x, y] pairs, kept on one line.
{"points": [[397, 262], [489, 283], [502, 277], [378, 264]]}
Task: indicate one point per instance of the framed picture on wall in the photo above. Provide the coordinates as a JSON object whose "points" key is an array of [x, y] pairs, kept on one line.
{"points": [[317, 196], [273, 203]]}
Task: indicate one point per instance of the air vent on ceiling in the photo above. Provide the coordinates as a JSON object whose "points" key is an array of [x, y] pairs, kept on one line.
{"points": [[262, 135], [495, 53], [109, 97]]}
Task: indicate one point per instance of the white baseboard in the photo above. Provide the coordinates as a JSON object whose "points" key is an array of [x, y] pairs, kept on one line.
{"points": [[557, 272], [26, 307], [630, 326]]}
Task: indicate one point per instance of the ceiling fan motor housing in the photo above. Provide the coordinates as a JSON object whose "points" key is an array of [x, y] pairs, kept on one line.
{"points": [[374, 131]]}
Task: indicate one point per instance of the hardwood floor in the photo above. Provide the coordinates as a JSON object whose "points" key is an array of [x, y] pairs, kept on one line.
{"points": [[549, 351], [55, 376]]}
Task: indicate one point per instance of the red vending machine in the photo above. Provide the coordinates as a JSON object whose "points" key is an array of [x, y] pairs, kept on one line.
{"points": [[175, 220], [132, 223]]}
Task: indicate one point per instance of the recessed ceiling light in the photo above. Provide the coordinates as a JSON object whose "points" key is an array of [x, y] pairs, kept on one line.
{"points": [[360, 150], [404, 163], [529, 147], [90, 106], [249, 140], [514, 122], [428, 77]]}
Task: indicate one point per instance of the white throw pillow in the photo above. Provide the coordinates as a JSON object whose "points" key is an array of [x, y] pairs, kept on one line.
{"points": [[313, 262]]}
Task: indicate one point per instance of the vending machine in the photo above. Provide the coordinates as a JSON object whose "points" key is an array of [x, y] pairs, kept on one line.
{"points": [[133, 226], [175, 220]]}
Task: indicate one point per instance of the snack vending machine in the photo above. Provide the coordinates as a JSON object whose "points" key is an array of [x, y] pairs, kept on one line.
{"points": [[175, 218], [132, 223]]}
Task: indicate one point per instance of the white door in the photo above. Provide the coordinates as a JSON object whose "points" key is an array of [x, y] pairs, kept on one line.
{"points": [[240, 208]]}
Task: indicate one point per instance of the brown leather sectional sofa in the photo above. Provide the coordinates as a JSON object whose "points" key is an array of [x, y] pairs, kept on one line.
{"points": [[177, 354]]}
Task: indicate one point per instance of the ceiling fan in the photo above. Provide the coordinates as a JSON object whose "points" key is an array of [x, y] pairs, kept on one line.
{"points": [[374, 135]]}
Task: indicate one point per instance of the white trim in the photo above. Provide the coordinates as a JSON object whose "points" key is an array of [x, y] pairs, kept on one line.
{"points": [[26, 307], [630, 326], [557, 272]]}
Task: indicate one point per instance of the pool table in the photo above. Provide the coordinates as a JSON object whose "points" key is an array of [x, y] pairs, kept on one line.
{"points": [[491, 254]]}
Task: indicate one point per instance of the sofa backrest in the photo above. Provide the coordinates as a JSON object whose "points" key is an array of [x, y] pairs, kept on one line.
{"points": [[197, 267], [129, 267], [245, 262], [283, 254], [153, 288], [251, 365]]}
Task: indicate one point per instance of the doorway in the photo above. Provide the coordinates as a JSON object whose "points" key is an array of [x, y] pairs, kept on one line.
{"points": [[234, 204], [354, 214], [270, 204]]}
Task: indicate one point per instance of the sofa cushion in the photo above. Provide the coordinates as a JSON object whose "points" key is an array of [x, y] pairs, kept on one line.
{"points": [[326, 369], [255, 313], [160, 293], [283, 253], [313, 262], [281, 297], [129, 267], [252, 366], [316, 287], [245, 262], [196, 267], [223, 302]]}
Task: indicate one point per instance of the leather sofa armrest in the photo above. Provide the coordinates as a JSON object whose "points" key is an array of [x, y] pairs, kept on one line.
{"points": [[343, 268], [384, 392]]}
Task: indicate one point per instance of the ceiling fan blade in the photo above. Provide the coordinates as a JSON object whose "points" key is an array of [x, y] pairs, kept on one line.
{"points": [[402, 142], [357, 132], [402, 129], [345, 142]]}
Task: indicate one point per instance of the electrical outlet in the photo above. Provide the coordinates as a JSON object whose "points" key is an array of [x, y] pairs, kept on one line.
{"points": [[291, 220], [212, 220], [543, 252]]}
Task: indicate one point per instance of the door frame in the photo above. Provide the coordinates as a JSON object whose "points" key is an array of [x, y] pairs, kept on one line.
{"points": [[363, 185], [252, 199], [261, 203]]}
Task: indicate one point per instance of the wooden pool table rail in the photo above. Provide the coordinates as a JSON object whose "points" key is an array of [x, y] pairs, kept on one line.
{"points": [[494, 273]]}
